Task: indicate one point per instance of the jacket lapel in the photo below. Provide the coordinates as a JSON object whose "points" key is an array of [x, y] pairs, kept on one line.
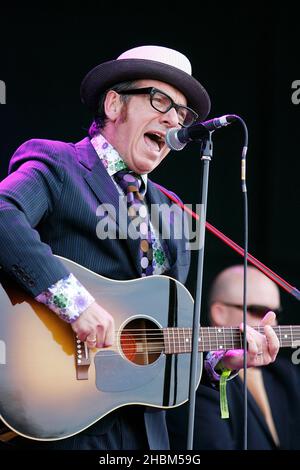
{"points": [[106, 192], [98, 179]]}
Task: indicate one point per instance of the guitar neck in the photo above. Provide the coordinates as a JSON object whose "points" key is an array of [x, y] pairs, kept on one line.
{"points": [[179, 340]]}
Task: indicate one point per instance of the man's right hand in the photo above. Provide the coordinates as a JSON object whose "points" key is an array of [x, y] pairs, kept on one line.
{"points": [[95, 326]]}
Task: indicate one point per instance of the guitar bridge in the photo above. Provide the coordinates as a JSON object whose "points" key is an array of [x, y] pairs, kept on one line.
{"points": [[82, 359]]}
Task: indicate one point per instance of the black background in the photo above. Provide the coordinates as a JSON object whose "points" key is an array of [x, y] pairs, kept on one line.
{"points": [[246, 58]]}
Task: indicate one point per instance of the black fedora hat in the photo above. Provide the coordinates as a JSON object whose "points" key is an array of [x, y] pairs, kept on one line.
{"points": [[146, 62]]}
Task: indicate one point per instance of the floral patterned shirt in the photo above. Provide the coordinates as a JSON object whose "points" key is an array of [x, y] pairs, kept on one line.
{"points": [[67, 298]]}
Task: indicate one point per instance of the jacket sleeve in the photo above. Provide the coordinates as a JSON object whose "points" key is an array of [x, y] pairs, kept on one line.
{"points": [[29, 194]]}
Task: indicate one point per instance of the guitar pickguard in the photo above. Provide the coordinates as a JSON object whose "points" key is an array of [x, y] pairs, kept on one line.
{"points": [[114, 374]]}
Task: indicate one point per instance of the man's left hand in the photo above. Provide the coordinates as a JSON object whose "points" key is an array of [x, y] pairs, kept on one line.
{"points": [[262, 348]]}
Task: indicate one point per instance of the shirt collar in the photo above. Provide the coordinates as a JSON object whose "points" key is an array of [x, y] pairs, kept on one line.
{"points": [[110, 157]]}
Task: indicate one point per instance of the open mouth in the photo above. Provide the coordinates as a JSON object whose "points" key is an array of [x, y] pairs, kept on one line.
{"points": [[155, 141]]}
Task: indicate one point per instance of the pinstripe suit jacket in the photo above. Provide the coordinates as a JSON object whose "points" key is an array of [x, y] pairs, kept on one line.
{"points": [[48, 205]]}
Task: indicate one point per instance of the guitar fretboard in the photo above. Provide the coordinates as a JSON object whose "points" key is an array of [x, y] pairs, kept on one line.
{"points": [[179, 340]]}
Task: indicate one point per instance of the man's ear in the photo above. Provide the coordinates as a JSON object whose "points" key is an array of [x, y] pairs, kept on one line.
{"points": [[218, 314], [112, 105]]}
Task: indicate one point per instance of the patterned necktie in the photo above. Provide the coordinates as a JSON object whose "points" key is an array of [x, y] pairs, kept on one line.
{"points": [[138, 214]]}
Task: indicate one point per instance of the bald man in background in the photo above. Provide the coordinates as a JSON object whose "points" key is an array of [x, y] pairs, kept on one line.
{"points": [[273, 390]]}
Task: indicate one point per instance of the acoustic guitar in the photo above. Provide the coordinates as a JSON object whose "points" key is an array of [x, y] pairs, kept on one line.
{"points": [[52, 386]]}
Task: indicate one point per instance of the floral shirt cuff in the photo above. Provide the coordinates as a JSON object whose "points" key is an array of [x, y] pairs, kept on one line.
{"points": [[67, 298], [211, 361]]}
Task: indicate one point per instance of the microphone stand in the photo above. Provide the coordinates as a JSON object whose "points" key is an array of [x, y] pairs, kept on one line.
{"points": [[206, 152]]}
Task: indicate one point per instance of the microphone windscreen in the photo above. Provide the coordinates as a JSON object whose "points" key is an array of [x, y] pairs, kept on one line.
{"points": [[172, 140]]}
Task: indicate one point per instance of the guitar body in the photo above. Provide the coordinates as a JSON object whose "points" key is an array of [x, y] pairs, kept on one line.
{"points": [[40, 394]]}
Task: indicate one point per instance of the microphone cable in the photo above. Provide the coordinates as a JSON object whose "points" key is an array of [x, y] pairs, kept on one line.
{"points": [[246, 242]]}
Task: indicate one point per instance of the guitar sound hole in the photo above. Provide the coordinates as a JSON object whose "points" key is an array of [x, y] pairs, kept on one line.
{"points": [[141, 341]]}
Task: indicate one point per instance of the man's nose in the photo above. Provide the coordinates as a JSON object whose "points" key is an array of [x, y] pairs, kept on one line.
{"points": [[171, 117]]}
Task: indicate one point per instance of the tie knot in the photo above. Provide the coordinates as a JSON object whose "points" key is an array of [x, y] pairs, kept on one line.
{"points": [[129, 182]]}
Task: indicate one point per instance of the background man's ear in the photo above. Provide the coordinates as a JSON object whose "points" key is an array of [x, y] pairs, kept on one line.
{"points": [[218, 314]]}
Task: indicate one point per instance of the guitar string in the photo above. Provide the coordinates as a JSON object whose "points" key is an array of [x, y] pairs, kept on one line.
{"points": [[161, 347], [182, 335], [207, 343], [208, 346], [212, 330], [212, 335], [187, 331], [159, 351], [225, 345], [211, 345], [233, 338]]}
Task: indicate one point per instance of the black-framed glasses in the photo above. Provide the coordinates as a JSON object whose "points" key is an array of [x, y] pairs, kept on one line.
{"points": [[257, 310], [162, 102]]}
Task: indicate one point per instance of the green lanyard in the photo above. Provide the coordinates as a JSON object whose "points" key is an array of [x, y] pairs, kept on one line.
{"points": [[223, 396]]}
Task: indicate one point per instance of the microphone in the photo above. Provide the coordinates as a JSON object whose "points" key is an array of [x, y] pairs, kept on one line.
{"points": [[176, 139]]}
